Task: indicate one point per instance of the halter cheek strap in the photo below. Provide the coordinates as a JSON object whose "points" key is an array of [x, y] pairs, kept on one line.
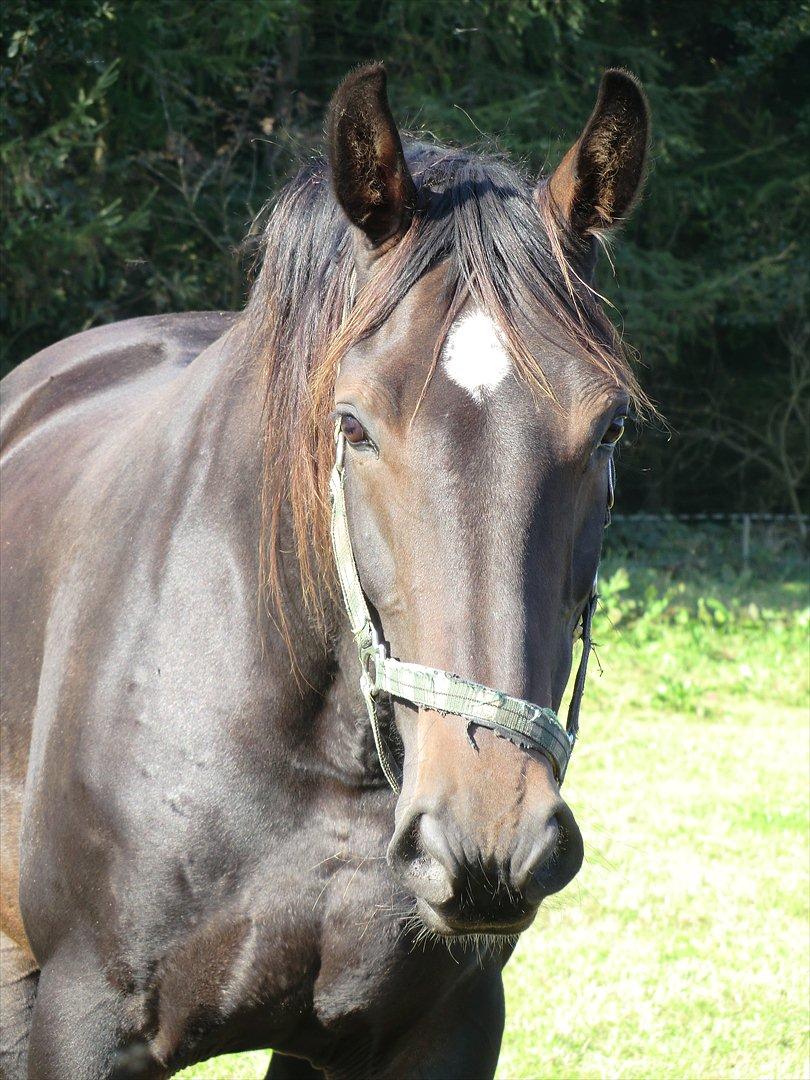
{"points": [[530, 726]]}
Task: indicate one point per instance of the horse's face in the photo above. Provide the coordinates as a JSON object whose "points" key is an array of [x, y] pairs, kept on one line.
{"points": [[476, 530], [476, 521]]}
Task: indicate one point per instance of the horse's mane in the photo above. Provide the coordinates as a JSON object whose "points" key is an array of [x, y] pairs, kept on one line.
{"points": [[500, 241]]}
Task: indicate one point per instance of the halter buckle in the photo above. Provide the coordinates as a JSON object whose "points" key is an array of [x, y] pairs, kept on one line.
{"points": [[371, 654]]}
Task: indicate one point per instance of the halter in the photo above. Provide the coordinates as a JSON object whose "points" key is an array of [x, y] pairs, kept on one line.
{"points": [[529, 726]]}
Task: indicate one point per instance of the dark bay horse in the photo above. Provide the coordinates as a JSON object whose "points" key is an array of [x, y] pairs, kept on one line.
{"points": [[200, 850]]}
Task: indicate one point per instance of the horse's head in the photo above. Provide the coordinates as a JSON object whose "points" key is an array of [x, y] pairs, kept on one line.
{"points": [[480, 408]]}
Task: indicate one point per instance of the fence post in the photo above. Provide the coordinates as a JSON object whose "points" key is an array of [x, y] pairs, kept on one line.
{"points": [[746, 540]]}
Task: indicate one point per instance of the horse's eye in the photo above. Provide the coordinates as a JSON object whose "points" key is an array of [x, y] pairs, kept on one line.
{"points": [[353, 431], [614, 431]]}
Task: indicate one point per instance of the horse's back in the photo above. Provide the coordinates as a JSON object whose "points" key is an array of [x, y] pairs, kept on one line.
{"points": [[108, 358], [60, 409]]}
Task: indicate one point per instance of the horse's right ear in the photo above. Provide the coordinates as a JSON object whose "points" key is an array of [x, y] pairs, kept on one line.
{"points": [[370, 176]]}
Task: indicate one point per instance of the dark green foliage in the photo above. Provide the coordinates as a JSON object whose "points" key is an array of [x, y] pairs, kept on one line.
{"points": [[142, 137]]}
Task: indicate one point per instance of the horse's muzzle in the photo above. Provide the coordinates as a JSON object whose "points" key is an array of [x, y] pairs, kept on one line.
{"points": [[462, 888]]}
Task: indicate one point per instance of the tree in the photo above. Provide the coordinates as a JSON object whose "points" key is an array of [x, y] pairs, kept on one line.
{"points": [[142, 138]]}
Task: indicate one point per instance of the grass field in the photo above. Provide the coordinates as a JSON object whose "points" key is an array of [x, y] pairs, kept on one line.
{"points": [[682, 949]]}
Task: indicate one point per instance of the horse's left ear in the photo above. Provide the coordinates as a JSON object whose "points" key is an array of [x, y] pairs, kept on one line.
{"points": [[370, 176], [596, 183]]}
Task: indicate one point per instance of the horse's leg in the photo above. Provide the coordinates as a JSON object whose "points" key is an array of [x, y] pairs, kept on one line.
{"points": [[18, 988], [79, 1027], [283, 1067]]}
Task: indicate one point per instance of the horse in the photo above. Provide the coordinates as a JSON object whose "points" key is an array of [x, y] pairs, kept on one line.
{"points": [[220, 831]]}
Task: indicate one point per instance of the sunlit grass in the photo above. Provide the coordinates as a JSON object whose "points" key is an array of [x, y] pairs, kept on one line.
{"points": [[682, 949]]}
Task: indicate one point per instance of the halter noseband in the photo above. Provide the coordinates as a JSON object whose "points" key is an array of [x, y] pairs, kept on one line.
{"points": [[530, 726]]}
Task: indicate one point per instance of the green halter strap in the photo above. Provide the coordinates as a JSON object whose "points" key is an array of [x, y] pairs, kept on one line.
{"points": [[530, 726]]}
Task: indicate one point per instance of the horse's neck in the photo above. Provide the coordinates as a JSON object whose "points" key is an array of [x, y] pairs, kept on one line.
{"points": [[316, 677]]}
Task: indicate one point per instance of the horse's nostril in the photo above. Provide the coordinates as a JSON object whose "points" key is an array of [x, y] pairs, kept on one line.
{"points": [[543, 846], [435, 843], [555, 860], [420, 859]]}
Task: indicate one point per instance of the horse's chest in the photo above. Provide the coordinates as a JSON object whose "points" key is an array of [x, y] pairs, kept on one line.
{"points": [[299, 953]]}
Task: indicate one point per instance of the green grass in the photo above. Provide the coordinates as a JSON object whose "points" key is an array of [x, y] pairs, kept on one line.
{"points": [[681, 950]]}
